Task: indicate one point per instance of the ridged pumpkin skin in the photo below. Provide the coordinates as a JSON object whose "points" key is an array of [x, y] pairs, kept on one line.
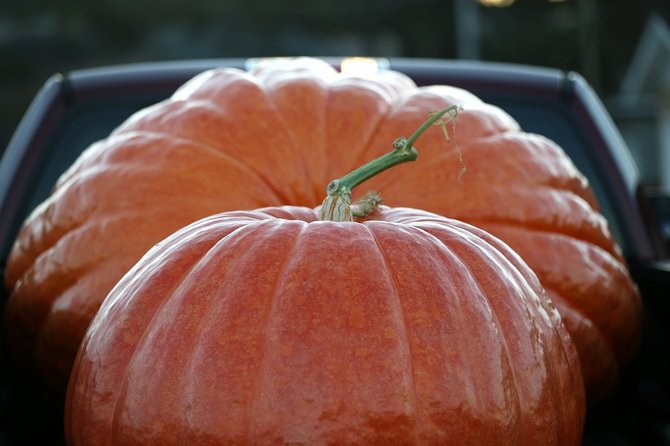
{"points": [[271, 327], [233, 140]]}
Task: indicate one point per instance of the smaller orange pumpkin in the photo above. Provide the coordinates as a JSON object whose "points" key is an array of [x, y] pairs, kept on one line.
{"points": [[270, 326]]}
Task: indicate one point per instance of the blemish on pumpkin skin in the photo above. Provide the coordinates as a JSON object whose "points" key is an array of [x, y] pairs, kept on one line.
{"points": [[361, 352], [356, 318], [287, 350]]}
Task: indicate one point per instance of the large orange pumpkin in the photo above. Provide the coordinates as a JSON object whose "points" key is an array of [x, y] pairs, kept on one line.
{"points": [[272, 327], [235, 140]]}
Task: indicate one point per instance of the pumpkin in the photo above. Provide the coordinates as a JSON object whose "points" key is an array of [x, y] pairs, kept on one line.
{"points": [[230, 140], [273, 327]]}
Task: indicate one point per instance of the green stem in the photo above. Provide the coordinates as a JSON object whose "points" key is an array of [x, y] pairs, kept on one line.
{"points": [[337, 205]]}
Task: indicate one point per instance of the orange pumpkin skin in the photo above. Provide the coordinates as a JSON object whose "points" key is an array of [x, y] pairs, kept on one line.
{"points": [[271, 327], [232, 140]]}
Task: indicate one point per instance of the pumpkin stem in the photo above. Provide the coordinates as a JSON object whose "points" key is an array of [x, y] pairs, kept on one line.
{"points": [[337, 204]]}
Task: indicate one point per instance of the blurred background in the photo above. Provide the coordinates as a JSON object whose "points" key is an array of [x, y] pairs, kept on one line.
{"points": [[621, 47]]}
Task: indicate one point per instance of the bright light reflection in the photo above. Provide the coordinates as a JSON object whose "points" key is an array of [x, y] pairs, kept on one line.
{"points": [[359, 66], [497, 3]]}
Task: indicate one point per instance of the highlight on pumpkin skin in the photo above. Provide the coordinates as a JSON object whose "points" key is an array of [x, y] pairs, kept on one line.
{"points": [[337, 204]]}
